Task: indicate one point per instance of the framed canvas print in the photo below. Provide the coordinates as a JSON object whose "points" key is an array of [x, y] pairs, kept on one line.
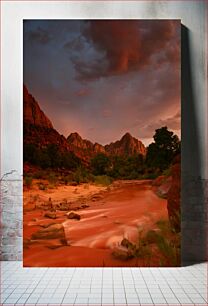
{"points": [[101, 142]]}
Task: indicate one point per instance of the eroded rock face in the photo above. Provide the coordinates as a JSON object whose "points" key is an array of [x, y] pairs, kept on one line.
{"points": [[32, 113], [42, 136], [162, 185], [38, 129], [174, 195], [127, 145], [76, 140], [81, 147], [55, 231], [98, 148]]}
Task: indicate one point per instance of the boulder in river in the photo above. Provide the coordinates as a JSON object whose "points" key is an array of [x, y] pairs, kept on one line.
{"points": [[50, 215], [55, 231], [124, 251], [73, 215], [85, 206], [127, 244]]}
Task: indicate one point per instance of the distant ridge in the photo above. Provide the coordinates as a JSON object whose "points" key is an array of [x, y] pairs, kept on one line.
{"points": [[39, 130], [127, 145]]}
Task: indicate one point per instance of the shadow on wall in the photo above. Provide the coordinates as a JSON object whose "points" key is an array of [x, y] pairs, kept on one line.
{"points": [[193, 197]]}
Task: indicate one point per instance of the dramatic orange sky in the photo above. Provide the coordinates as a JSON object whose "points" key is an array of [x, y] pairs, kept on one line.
{"points": [[103, 78]]}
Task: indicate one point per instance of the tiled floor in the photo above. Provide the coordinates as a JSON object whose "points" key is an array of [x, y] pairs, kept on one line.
{"points": [[103, 286]]}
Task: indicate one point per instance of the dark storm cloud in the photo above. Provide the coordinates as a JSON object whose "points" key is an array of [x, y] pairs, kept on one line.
{"points": [[76, 44], [40, 36], [103, 78], [127, 46]]}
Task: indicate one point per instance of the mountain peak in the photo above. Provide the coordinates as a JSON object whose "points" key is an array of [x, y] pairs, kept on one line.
{"points": [[74, 136], [38, 129], [127, 145], [127, 136], [32, 112]]}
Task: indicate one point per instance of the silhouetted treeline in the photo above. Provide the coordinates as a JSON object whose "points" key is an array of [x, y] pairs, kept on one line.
{"points": [[159, 157]]}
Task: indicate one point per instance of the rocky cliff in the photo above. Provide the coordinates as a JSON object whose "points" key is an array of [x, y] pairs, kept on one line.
{"points": [[39, 130], [32, 114], [127, 145]]}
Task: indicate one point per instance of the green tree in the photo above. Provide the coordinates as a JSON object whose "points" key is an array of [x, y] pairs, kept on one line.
{"points": [[70, 161], [100, 164], [118, 165], [127, 167], [43, 159], [54, 155], [160, 153], [30, 152]]}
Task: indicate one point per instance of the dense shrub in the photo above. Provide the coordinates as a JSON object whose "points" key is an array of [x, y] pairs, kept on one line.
{"points": [[100, 164], [81, 175], [50, 157], [103, 180], [129, 167], [28, 181]]}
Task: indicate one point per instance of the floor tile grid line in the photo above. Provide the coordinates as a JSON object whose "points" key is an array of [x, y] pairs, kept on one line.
{"points": [[122, 271], [40, 278], [128, 278], [104, 288], [186, 278], [7, 297], [1, 277], [101, 286], [150, 270], [153, 276], [167, 290], [145, 284], [188, 296], [103, 276], [182, 287], [135, 286], [139, 272], [190, 271], [172, 276], [205, 274], [91, 279], [74, 270], [80, 284], [113, 287], [206, 285]]}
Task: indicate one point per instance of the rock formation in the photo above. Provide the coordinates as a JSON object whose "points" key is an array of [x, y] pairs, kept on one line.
{"points": [[32, 114], [127, 145], [38, 130]]}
